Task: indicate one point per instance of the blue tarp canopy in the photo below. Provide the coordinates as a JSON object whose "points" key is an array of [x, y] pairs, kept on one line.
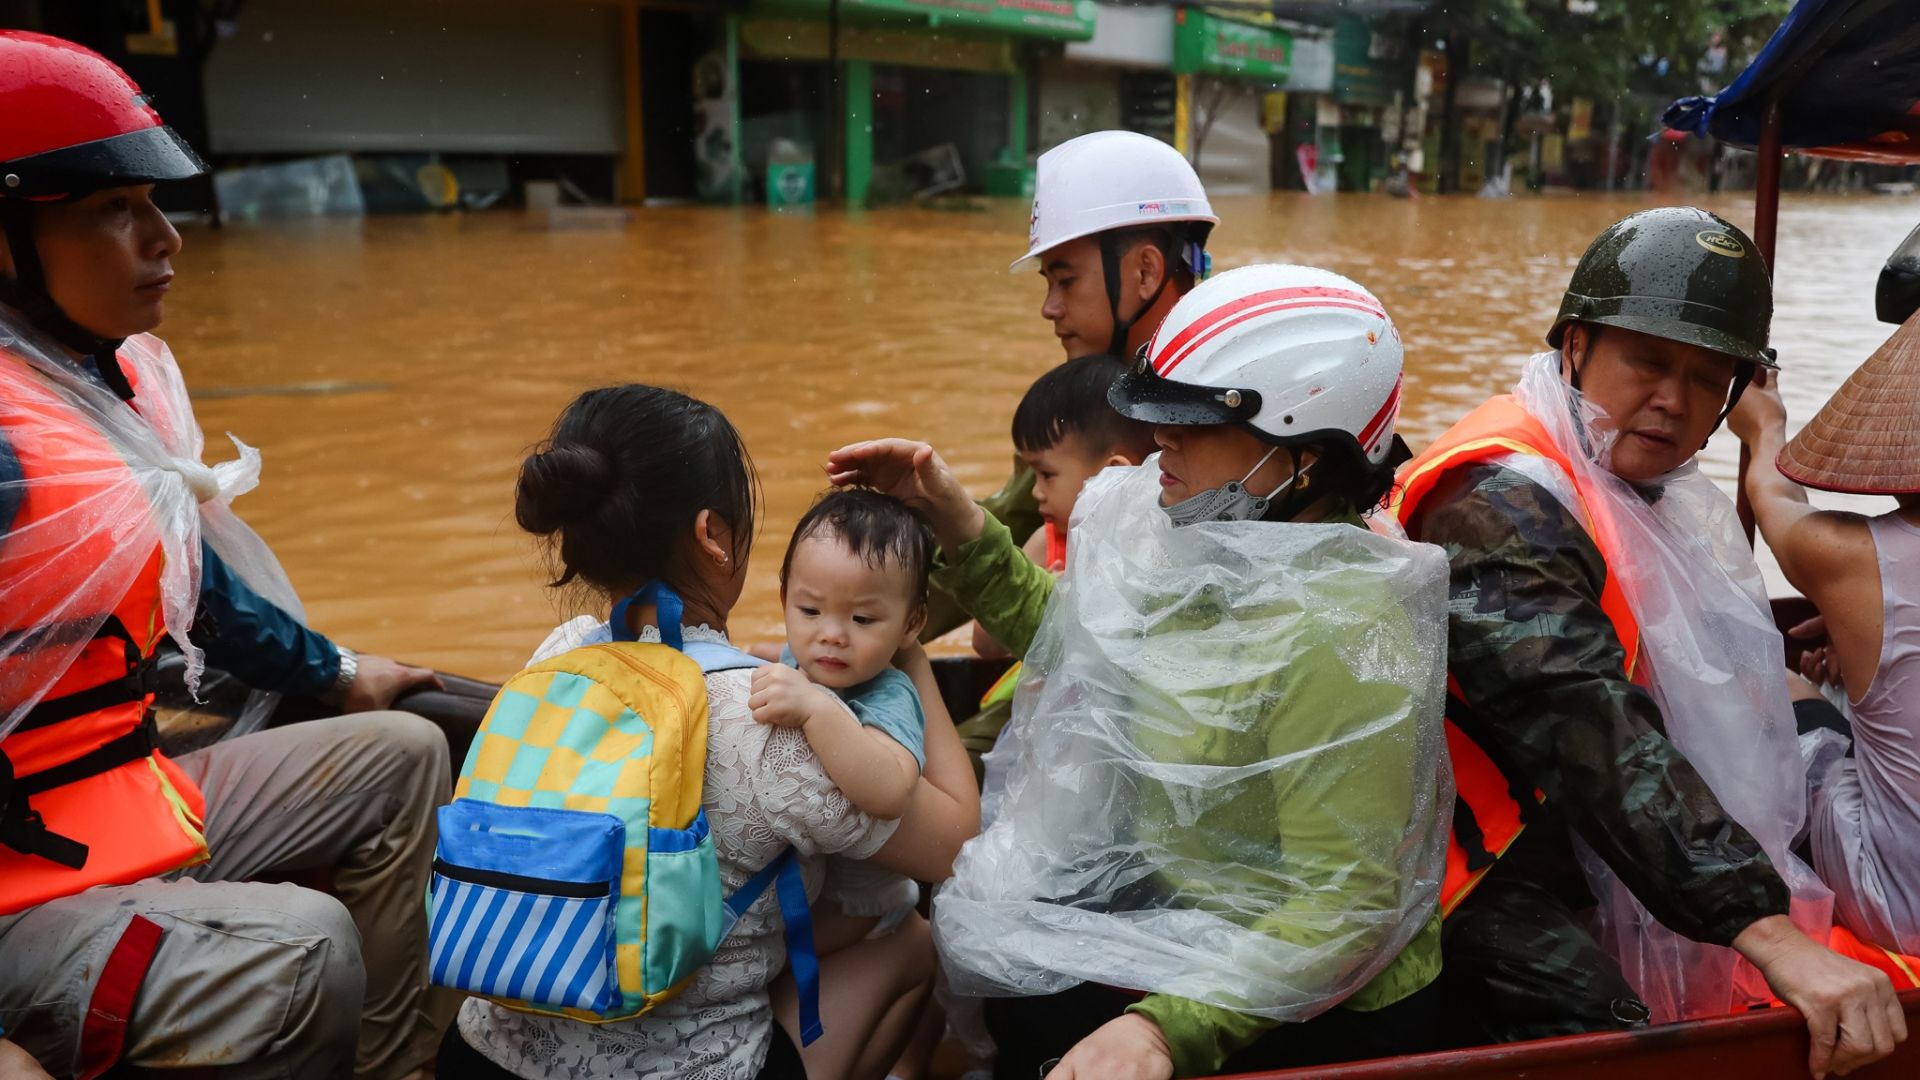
{"points": [[1846, 74]]}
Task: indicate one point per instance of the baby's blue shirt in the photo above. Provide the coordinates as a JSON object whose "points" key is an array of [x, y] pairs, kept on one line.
{"points": [[888, 701]]}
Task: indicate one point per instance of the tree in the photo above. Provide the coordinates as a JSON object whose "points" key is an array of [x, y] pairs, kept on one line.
{"points": [[1634, 55]]}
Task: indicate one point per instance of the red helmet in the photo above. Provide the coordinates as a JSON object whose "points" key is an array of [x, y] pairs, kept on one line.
{"points": [[72, 123]]}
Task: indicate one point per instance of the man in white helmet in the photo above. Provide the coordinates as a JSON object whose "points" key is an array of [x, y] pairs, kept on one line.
{"points": [[1230, 729], [1118, 232]]}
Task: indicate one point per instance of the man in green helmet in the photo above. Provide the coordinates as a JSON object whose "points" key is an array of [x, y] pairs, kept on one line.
{"points": [[1595, 627]]}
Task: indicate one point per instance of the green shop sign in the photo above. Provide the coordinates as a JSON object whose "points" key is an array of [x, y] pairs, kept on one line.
{"points": [[1207, 44], [1061, 20]]}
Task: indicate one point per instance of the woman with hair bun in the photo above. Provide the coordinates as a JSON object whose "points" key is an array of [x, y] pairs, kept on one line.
{"points": [[640, 484]]}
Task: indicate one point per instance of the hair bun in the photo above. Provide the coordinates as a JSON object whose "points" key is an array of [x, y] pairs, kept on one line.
{"points": [[561, 485]]}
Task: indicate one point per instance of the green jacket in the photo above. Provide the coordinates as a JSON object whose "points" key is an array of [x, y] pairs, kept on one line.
{"points": [[1014, 505], [1318, 810]]}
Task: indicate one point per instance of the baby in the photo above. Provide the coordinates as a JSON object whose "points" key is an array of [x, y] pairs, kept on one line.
{"points": [[854, 588]]}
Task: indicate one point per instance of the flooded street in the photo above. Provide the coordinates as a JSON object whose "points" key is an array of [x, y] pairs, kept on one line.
{"points": [[394, 371]]}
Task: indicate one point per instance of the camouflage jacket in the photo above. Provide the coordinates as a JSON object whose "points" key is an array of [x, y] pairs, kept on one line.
{"points": [[1542, 688]]}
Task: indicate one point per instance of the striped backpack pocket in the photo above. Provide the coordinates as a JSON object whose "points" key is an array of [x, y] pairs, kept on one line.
{"points": [[522, 904]]}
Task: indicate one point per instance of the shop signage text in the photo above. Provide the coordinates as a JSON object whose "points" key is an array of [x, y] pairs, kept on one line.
{"points": [[1207, 44], [1070, 20]]}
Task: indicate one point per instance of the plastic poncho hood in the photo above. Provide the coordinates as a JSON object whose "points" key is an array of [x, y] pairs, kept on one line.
{"points": [[165, 496], [1225, 768], [1712, 658]]}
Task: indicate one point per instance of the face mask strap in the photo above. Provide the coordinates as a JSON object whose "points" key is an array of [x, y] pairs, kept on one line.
{"points": [[1261, 464], [1216, 504]]}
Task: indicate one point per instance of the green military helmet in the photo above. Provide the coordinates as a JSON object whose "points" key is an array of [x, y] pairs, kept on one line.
{"points": [[1677, 272]]}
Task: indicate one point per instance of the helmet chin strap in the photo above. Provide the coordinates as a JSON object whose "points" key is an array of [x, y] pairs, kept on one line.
{"points": [[1566, 351], [1742, 378], [27, 292], [1110, 268]]}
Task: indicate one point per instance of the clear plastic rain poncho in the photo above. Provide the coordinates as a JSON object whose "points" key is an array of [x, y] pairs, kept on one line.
{"points": [[63, 573], [1225, 770], [1713, 660]]}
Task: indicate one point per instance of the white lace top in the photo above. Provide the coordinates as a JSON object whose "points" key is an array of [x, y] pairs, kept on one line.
{"points": [[765, 790]]}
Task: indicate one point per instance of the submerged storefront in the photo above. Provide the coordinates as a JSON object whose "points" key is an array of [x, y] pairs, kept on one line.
{"points": [[1370, 78], [1224, 70], [931, 95], [1122, 77]]}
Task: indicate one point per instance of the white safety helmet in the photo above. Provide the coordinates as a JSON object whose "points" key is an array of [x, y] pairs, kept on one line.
{"points": [[1293, 354], [1113, 180]]}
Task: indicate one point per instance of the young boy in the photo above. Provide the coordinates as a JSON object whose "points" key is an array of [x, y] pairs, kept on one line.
{"points": [[1066, 432], [854, 586]]}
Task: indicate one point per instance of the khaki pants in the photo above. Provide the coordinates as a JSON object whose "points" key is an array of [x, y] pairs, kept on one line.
{"points": [[264, 980]]}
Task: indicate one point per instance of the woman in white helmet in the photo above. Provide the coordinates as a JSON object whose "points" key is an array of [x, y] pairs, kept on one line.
{"points": [[1214, 839]]}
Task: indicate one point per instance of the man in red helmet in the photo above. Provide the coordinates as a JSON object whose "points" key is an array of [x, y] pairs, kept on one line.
{"points": [[129, 928]]}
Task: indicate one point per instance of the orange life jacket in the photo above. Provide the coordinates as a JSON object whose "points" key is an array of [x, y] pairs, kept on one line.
{"points": [[1003, 687], [1056, 546], [91, 801], [1902, 969], [1488, 813]]}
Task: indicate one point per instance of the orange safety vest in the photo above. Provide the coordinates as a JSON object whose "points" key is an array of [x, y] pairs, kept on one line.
{"points": [[1903, 970], [1488, 813], [91, 800]]}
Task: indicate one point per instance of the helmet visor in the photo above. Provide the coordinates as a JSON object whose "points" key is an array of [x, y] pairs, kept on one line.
{"points": [[149, 156], [1141, 394]]}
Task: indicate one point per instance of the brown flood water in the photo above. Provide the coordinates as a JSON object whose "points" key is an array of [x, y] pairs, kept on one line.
{"points": [[446, 346]]}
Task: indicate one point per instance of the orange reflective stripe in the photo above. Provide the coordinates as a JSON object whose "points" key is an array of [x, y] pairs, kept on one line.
{"points": [[1500, 427]]}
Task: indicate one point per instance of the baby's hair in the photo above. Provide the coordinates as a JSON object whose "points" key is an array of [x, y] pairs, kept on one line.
{"points": [[878, 528], [617, 486], [1071, 399]]}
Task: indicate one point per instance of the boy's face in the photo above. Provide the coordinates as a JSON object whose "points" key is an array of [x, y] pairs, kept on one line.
{"points": [[845, 617], [1061, 470]]}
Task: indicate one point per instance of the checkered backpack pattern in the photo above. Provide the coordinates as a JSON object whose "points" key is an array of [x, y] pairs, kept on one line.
{"points": [[575, 874]]}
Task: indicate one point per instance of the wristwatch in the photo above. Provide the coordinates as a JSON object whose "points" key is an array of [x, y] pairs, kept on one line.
{"points": [[349, 670]]}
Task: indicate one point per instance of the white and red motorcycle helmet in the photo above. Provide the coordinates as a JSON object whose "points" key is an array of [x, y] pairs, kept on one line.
{"points": [[1294, 355]]}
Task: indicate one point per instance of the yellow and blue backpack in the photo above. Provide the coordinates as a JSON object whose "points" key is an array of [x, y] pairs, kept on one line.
{"points": [[575, 874]]}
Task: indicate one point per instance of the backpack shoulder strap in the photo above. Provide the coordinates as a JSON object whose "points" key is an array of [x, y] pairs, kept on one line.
{"points": [[783, 874], [713, 656]]}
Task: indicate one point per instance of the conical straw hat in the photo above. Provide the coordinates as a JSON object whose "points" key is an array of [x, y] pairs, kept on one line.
{"points": [[1866, 439]]}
